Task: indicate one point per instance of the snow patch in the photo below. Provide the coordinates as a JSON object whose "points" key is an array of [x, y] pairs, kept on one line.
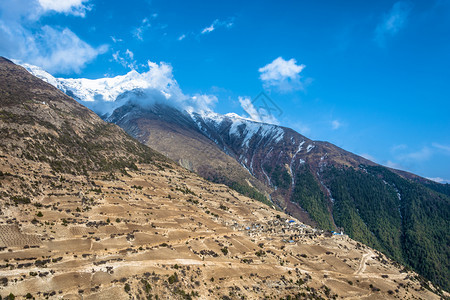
{"points": [[104, 95], [41, 74], [244, 128], [293, 160]]}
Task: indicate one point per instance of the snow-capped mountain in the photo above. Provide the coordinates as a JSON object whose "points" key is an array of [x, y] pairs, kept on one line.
{"points": [[233, 125], [317, 182], [47, 137], [109, 89], [258, 147], [104, 95], [151, 107], [104, 89], [269, 151], [41, 74]]}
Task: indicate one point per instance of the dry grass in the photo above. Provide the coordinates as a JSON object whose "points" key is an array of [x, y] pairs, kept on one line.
{"points": [[116, 235]]}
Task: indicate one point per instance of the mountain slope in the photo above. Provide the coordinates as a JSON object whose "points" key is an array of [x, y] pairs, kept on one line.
{"points": [[149, 228], [50, 127], [277, 156], [324, 185], [422, 216], [316, 182], [396, 212], [174, 134], [132, 102]]}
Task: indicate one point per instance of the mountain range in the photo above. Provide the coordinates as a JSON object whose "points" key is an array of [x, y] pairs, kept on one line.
{"points": [[398, 213], [89, 212]]}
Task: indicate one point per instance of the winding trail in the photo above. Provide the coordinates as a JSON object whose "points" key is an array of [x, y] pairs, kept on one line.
{"points": [[362, 263]]}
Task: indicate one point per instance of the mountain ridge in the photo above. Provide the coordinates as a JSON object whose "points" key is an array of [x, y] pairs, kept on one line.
{"points": [[174, 134], [132, 81], [75, 88], [319, 183], [153, 229]]}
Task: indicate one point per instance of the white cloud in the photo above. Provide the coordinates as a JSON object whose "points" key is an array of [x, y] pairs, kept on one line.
{"points": [[159, 80], [208, 29], [282, 74], [157, 85], [393, 165], [302, 128], [444, 148], [439, 179], [421, 155], [67, 53], [129, 54], [410, 157], [405, 159], [392, 22], [126, 60], [368, 156], [335, 124], [217, 24], [247, 105], [258, 114], [139, 31], [116, 40], [201, 103], [55, 49], [145, 24], [161, 77], [74, 7]]}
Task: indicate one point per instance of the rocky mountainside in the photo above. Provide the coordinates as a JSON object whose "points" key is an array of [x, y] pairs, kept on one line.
{"points": [[274, 154], [87, 212], [401, 214], [41, 123], [174, 134]]}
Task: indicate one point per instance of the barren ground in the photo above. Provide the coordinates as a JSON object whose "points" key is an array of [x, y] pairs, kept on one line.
{"points": [[166, 233]]}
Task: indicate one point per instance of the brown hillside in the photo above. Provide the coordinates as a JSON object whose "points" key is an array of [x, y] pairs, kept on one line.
{"points": [[87, 212]]}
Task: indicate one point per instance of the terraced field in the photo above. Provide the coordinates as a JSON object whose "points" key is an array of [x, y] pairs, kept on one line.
{"points": [[87, 212], [168, 233]]}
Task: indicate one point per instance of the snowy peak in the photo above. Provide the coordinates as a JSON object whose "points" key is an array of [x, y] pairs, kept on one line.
{"points": [[231, 132], [104, 95], [105, 89], [109, 89], [41, 74], [243, 131], [234, 134]]}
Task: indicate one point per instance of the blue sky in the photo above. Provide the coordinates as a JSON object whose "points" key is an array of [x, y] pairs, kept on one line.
{"points": [[372, 77]]}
